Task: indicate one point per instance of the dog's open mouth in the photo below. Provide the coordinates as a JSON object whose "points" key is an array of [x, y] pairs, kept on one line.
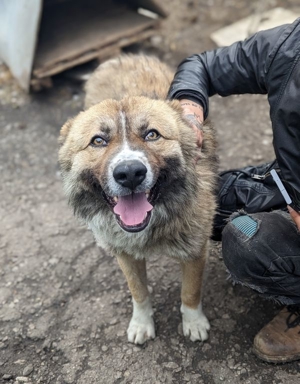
{"points": [[133, 212]]}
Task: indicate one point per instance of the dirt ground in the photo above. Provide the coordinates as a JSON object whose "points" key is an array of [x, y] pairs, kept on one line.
{"points": [[65, 305]]}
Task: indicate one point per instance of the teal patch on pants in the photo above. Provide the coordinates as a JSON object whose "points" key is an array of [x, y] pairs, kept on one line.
{"points": [[246, 225]]}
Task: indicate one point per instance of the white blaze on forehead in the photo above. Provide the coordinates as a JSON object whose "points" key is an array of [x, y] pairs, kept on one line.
{"points": [[127, 153], [123, 124]]}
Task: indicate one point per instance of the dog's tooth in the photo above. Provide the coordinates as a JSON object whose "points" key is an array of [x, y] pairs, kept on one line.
{"points": [[115, 199], [147, 194]]}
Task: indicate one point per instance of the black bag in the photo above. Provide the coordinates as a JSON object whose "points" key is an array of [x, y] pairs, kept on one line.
{"points": [[251, 189]]}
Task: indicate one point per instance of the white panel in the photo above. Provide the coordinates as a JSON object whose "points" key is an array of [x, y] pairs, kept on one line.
{"points": [[19, 25]]}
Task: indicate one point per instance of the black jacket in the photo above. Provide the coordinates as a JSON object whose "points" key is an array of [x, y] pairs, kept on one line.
{"points": [[268, 62]]}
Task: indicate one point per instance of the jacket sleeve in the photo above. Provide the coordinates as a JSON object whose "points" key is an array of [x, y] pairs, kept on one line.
{"points": [[268, 62], [237, 69]]}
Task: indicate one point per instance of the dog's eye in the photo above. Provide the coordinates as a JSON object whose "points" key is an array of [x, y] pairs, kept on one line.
{"points": [[98, 141], [152, 135]]}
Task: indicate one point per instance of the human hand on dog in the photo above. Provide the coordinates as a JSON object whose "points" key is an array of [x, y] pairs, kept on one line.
{"points": [[295, 216], [193, 113]]}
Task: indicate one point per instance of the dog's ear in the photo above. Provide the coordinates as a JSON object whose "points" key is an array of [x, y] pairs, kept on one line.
{"points": [[65, 131]]}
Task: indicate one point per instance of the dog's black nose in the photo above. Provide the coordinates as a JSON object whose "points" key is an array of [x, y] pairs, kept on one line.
{"points": [[130, 173]]}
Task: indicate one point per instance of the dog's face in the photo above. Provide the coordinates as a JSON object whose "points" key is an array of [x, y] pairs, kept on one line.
{"points": [[126, 156]]}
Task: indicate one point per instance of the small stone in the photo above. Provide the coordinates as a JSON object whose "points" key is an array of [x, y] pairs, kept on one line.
{"points": [[118, 375], [22, 379], [2, 346], [28, 370], [7, 377], [231, 363], [79, 346], [170, 365], [47, 344], [244, 371], [156, 40], [104, 348], [41, 186], [53, 261], [150, 289], [20, 361]]}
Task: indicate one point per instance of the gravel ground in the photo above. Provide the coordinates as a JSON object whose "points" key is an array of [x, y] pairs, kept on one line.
{"points": [[64, 303]]}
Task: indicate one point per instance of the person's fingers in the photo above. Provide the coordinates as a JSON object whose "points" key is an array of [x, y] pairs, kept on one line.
{"points": [[193, 113], [295, 216], [199, 135]]}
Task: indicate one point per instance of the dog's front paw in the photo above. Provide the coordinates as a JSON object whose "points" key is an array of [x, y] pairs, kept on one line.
{"points": [[141, 326], [195, 324], [138, 332]]}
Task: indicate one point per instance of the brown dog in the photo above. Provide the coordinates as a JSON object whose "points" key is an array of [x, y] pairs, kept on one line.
{"points": [[129, 169]]}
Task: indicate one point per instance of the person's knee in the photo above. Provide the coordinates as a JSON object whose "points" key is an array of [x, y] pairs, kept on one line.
{"points": [[241, 247], [256, 254]]}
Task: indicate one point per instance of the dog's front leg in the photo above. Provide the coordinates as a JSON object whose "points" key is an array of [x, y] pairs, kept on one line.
{"points": [[194, 322], [141, 326]]}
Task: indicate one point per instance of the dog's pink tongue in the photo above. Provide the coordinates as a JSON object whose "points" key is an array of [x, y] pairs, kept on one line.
{"points": [[133, 208]]}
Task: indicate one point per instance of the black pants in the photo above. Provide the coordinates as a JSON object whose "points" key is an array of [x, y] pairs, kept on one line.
{"points": [[262, 251]]}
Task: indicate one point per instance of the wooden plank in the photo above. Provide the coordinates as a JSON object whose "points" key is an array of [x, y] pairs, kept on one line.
{"points": [[101, 53], [70, 32]]}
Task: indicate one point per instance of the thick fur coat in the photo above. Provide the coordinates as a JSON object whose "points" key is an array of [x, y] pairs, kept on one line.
{"points": [[127, 120]]}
